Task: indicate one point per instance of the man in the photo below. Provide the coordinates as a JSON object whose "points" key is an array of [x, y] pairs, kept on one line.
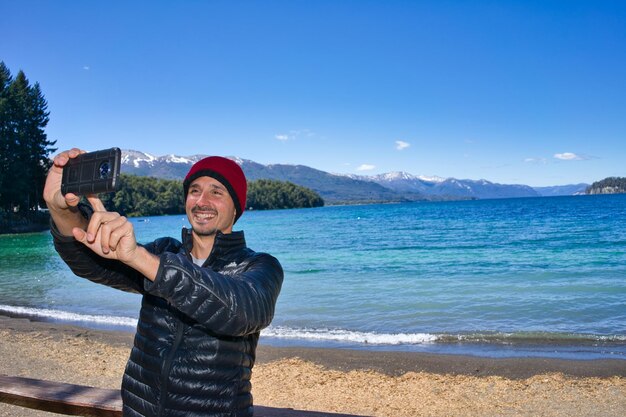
{"points": [[205, 299]]}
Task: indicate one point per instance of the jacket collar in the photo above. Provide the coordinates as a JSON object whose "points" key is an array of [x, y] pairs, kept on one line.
{"points": [[225, 244]]}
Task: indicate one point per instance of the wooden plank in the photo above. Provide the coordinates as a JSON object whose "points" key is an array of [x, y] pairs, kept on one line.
{"points": [[58, 397], [80, 400]]}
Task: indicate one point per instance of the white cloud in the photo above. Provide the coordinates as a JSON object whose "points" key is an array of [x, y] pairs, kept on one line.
{"points": [[536, 160], [294, 134], [366, 167], [306, 132], [568, 156], [401, 145], [86, 68]]}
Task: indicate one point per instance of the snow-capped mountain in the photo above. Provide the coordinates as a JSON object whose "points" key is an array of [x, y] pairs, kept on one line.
{"points": [[449, 187], [335, 188], [405, 176], [137, 158], [167, 166]]}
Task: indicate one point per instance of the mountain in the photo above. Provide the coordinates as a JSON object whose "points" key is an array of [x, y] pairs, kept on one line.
{"points": [[341, 188], [334, 189], [572, 189], [450, 187], [171, 167], [402, 182]]}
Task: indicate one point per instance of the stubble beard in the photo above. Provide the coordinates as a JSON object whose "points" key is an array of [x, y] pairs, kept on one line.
{"points": [[198, 230], [204, 233]]}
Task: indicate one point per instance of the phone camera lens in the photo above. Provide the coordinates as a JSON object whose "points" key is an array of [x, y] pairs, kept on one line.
{"points": [[104, 170]]}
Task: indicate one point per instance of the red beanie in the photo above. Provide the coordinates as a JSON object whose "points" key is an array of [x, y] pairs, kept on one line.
{"points": [[226, 171]]}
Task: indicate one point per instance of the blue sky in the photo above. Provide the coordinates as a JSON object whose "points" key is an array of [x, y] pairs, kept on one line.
{"points": [[530, 92]]}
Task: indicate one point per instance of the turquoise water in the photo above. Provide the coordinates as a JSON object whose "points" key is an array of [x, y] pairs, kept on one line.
{"points": [[511, 277]]}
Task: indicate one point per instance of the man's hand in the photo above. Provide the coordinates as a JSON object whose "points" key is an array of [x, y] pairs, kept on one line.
{"points": [[108, 234], [52, 189], [112, 236], [62, 208]]}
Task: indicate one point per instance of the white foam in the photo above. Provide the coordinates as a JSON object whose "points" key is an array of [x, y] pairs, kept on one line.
{"points": [[339, 335], [68, 316]]}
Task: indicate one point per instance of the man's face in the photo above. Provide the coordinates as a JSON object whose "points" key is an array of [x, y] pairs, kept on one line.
{"points": [[209, 207]]}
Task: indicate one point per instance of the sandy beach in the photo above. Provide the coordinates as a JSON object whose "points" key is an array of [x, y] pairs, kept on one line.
{"points": [[347, 381]]}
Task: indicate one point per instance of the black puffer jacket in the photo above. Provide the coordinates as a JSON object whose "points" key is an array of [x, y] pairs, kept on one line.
{"points": [[198, 327]]}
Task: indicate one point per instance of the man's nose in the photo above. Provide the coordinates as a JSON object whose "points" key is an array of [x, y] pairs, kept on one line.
{"points": [[204, 199]]}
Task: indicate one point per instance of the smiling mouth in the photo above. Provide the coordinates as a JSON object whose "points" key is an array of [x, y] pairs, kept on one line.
{"points": [[203, 215]]}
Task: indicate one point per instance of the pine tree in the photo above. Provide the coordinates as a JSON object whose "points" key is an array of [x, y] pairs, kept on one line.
{"points": [[18, 178], [5, 82], [24, 143], [39, 146]]}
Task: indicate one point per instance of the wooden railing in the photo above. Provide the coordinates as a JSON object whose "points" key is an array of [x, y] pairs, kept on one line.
{"points": [[80, 400]]}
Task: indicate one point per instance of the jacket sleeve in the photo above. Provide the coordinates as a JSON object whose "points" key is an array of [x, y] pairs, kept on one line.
{"points": [[86, 264], [233, 304]]}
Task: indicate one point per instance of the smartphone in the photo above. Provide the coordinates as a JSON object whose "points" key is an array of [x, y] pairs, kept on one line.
{"points": [[92, 173]]}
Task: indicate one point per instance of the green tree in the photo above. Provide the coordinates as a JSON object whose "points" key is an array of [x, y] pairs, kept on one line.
{"points": [[148, 196], [271, 194], [5, 82], [145, 196], [24, 143], [610, 185]]}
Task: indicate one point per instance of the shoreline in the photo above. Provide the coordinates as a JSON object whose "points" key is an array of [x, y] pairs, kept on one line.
{"points": [[531, 353], [368, 383], [388, 362]]}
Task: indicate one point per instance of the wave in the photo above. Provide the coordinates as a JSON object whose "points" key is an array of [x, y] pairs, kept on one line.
{"points": [[345, 336], [544, 338], [307, 271], [66, 316], [339, 335], [391, 339]]}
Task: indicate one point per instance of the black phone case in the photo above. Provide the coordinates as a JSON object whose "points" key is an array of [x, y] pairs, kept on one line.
{"points": [[92, 173]]}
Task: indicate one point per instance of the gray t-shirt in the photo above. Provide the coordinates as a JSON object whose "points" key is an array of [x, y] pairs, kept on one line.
{"points": [[197, 261]]}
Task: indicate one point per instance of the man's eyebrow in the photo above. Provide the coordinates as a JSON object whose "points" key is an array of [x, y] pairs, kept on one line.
{"points": [[218, 186]]}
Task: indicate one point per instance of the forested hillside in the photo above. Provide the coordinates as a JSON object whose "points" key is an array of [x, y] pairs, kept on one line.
{"points": [[266, 194], [610, 185], [148, 196]]}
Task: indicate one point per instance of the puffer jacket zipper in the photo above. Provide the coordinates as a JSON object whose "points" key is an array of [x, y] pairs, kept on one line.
{"points": [[180, 330], [167, 366]]}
